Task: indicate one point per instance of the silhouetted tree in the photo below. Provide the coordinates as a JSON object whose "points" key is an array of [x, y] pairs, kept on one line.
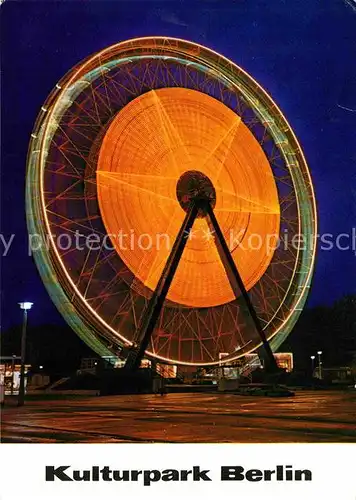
{"points": [[329, 329], [55, 347]]}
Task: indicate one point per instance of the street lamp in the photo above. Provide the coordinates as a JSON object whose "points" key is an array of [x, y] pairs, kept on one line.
{"points": [[25, 306], [312, 362], [319, 353]]}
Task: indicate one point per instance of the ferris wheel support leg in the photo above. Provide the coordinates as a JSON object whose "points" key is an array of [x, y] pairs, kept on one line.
{"points": [[237, 286], [153, 310]]}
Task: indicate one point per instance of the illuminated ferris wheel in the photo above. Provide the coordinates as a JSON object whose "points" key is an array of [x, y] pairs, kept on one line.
{"points": [[175, 204]]}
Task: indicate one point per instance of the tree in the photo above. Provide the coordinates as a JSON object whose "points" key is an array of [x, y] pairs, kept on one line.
{"points": [[329, 329]]}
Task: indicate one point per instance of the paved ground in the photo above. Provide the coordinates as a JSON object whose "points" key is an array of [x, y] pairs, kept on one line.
{"points": [[307, 417]]}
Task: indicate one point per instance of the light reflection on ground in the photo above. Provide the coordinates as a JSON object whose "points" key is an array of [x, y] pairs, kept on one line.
{"points": [[324, 416]]}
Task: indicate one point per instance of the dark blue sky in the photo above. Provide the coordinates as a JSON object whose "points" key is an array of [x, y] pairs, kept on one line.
{"points": [[302, 52]]}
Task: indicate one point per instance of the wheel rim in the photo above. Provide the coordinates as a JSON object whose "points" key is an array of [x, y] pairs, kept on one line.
{"points": [[67, 135]]}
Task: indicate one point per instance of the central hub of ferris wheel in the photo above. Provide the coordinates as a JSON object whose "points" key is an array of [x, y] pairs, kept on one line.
{"points": [[195, 186]]}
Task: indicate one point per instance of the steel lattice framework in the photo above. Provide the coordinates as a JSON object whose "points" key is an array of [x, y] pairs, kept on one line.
{"points": [[101, 293]]}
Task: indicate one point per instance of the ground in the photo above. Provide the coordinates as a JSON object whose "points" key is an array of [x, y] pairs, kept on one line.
{"points": [[309, 416]]}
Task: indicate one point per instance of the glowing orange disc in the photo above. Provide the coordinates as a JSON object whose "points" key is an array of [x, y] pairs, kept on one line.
{"points": [[149, 144]]}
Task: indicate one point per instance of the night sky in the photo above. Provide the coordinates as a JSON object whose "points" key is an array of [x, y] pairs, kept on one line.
{"points": [[302, 52]]}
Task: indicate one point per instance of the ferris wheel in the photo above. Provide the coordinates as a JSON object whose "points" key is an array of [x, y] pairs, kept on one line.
{"points": [[174, 203]]}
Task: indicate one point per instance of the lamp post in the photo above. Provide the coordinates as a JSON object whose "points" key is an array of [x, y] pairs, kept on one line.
{"points": [[12, 373], [25, 306], [312, 363], [319, 362]]}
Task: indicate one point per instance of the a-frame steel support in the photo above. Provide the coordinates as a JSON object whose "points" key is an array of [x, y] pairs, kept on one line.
{"points": [[153, 310]]}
